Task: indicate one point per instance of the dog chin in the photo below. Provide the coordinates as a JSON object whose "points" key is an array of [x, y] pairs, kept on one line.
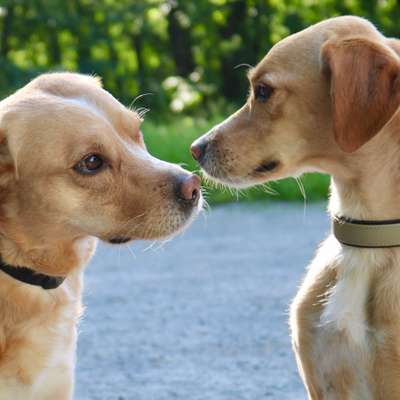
{"points": [[193, 215], [169, 232], [232, 181]]}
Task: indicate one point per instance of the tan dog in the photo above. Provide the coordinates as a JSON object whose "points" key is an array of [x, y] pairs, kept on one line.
{"points": [[73, 168], [325, 99]]}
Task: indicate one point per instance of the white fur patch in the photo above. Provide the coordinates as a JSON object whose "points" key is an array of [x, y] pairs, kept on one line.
{"points": [[346, 305], [85, 103]]}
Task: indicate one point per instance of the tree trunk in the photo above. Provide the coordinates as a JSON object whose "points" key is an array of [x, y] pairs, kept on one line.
{"points": [[237, 15], [6, 32], [180, 43], [54, 47], [137, 43], [83, 47]]}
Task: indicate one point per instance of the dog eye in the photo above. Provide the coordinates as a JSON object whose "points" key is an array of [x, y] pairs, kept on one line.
{"points": [[90, 164], [263, 92]]}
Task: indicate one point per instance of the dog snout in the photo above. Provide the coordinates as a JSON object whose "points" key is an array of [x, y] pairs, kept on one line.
{"points": [[188, 189], [199, 149]]}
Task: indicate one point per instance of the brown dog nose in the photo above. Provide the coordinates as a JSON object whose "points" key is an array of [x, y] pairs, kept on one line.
{"points": [[198, 150], [188, 188]]}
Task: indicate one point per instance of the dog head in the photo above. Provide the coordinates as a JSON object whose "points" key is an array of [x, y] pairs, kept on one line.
{"points": [[316, 97], [73, 163]]}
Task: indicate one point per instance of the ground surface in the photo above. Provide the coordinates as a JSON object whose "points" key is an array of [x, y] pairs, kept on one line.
{"points": [[204, 317]]}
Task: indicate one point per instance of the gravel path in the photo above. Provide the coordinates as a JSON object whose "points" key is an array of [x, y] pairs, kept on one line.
{"points": [[205, 316]]}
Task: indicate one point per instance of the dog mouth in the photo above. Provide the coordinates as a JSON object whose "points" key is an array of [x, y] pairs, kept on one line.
{"points": [[266, 167], [221, 177], [226, 176], [119, 239], [162, 225]]}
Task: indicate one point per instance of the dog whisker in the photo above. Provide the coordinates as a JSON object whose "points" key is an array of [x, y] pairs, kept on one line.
{"points": [[140, 96], [131, 251], [150, 246], [243, 65], [303, 193]]}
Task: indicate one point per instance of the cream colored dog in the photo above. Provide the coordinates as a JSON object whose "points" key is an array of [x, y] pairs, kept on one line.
{"points": [[325, 99], [73, 168]]}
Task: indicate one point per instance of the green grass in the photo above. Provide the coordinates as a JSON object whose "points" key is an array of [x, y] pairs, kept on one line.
{"points": [[170, 141]]}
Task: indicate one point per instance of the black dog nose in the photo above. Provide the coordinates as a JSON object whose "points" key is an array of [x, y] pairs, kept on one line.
{"points": [[188, 189], [198, 150]]}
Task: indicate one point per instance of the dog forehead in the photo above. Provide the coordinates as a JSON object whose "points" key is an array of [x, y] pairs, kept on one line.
{"points": [[292, 55], [47, 138], [46, 119], [69, 118]]}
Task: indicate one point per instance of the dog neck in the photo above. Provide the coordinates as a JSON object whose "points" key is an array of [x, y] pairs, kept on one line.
{"points": [[32, 243], [54, 258], [365, 186], [31, 277], [369, 188]]}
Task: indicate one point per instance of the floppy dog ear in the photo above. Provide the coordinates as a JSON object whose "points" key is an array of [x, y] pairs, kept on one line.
{"points": [[365, 88], [3, 139], [6, 159]]}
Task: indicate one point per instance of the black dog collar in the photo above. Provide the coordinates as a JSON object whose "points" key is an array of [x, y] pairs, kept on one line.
{"points": [[367, 234], [27, 275]]}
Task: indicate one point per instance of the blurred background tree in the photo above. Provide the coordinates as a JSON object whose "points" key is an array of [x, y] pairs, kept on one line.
{"points": [[191, 55]]}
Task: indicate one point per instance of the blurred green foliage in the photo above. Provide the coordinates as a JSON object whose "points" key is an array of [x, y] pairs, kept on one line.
{"points": [[183, 52]]}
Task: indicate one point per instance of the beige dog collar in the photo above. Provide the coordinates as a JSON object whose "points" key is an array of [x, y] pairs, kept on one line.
{"points": [[367, 234]]}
